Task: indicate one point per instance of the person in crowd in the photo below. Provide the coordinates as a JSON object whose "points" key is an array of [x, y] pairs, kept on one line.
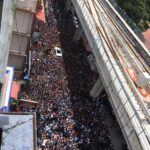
{"points": [[67, 117]]}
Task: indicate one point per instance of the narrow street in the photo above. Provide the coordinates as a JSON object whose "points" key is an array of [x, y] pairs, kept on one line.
{"points": [[67, 117]]}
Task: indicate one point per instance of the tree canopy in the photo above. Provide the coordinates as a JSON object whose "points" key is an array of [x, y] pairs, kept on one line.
{"points": [[138, 11]]}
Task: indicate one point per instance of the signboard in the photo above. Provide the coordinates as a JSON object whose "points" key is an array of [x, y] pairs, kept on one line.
{"points": [[4, 103]]}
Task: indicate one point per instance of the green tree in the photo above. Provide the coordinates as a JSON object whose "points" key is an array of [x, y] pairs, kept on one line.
{"points": [[138, 11]]}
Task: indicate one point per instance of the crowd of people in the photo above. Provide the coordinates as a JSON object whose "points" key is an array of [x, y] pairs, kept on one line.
{"points": [[67, 117]]}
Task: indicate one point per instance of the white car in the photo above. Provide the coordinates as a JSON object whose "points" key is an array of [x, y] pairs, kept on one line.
{"points": [[58, 51]]}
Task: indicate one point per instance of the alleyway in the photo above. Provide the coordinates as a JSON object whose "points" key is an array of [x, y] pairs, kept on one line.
{"points": [[67, 117]]}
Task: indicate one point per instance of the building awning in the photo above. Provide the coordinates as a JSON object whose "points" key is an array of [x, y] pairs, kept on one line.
{"points": [[15, 90], [40, 14], [147, 38]]}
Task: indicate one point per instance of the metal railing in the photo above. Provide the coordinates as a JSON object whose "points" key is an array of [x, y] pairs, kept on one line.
{"points": [[129, 21]]}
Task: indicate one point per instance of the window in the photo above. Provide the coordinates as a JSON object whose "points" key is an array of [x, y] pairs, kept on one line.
{"points": [[1, 9]]}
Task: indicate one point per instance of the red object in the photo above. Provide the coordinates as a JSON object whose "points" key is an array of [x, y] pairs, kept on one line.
{"points": [[147, 38], [17, 109], [58, 148], [40, 14], [143, 92], [15, 90]]}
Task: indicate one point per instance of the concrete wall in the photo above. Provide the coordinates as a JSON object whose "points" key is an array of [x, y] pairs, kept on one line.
{"points": [[23, 21], [22, 27], [16, 61], [19, 43], [29, 5], [5, 35]]}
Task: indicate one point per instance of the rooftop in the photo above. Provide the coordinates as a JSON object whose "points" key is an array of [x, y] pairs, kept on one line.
{"points": [[18, 126]]}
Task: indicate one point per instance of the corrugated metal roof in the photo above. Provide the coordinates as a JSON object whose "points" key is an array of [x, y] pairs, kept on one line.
{"points": [[18, 131]]}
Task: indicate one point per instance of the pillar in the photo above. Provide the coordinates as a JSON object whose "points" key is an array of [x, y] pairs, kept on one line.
{"points": [[97, 88], [78, 34], [91, 61]]}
